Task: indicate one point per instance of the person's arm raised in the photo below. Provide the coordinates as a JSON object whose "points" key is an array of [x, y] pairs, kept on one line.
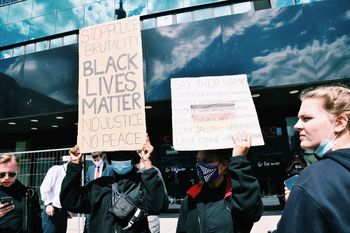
{"points": [[242, 143], [146, 153], [75, 155]]}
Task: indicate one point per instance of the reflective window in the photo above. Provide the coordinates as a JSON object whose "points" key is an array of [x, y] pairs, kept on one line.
{"points": [[55, 43], [6, 2], [20, 11], [18, 51], [99, 12], [164, 20], [282, 3], [71, 39], [148, 23], [305, 1], [44, 7], [42, 45], [69, 20], [184, 17], [3, 15], [6, 53], [188, 3], [17, 32], [30, 48], [163, 5], [222, 10], [2, 36], [203, 14], [134, 7], [242, 7], [43, 26], [67, 4]]}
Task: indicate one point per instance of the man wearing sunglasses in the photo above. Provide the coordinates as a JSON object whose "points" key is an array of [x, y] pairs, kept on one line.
{"points": [[19, 205]]}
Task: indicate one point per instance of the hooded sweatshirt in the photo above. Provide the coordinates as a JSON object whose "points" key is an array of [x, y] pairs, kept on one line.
{"points": [[320, 199]]}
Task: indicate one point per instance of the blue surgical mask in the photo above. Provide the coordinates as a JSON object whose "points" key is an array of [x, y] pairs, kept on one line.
{"points": [[325, 145], [122, 167], [323, 148], [207, 172]]}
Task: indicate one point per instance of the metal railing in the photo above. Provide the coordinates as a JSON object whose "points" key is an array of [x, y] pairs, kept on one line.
{"points": [[35, 164], [33, 168]]}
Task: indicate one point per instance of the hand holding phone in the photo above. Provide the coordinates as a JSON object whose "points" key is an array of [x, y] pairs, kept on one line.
{"points": [[6, 205], [290, 182], [4, 200]]}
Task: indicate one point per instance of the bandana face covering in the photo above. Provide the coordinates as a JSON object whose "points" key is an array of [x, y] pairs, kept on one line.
{"points": [[207, 172]]}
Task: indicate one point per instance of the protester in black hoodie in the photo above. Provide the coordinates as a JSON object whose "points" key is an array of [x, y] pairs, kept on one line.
{"points": [[145, 189], [227, 200], [319, 200]]}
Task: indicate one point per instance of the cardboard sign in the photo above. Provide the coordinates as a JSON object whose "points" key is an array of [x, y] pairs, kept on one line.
{"points": [[111, 92], [208, 111]]}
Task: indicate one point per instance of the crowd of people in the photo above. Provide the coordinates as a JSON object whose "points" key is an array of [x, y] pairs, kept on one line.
{"points": [[125, 192]]}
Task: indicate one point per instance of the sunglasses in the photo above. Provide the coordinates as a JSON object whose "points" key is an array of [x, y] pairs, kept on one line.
{"points": [[10, 174]]}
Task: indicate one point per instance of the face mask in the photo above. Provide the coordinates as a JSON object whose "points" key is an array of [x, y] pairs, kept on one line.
{"points": [[207, 172], [98, 163], [122, 167], [326, 145]]}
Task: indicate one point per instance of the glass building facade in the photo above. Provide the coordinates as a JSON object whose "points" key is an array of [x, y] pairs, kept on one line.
{"points": [[287, 47], [22, 21]]}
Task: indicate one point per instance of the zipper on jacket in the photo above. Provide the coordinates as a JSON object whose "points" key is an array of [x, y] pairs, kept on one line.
{"points": [[228, 209], [200, 226]]}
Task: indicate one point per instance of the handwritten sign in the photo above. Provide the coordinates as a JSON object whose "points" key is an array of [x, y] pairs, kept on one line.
{"points": [[208, 111], [111, 92]]}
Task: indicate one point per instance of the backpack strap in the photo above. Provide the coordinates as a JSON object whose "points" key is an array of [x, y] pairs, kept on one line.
{"points": [[26, 208]]}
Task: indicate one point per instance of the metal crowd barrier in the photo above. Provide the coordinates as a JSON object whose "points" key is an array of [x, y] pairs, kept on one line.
{"points": [[33, 168], [35, 164]]}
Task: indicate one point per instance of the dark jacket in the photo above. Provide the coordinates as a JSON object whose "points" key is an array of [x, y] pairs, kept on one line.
{"points": [[320, 199], [241, 196], [26, 204], [96, 197]]}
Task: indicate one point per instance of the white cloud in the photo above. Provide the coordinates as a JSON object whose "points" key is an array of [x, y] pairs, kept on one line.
{"points": [[347, 15], [258, 19], [284, 66], [251, 19], [302, 33], [184, 52], [98, 13], [19, 27], [174, 31]]}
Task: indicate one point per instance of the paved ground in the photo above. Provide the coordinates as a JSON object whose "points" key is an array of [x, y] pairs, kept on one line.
{"points": [[168, 223], [267, 222]]}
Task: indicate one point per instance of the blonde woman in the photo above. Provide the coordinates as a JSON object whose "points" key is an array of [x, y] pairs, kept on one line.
{"points": [[320, 199]]}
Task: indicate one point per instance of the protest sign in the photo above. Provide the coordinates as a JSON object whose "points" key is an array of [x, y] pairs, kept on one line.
{"points": [[208, 111], [111, 92]]}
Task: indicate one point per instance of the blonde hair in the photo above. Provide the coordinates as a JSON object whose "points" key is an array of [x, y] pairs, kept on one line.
{"points": [[7, 157], [336, 98]]}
